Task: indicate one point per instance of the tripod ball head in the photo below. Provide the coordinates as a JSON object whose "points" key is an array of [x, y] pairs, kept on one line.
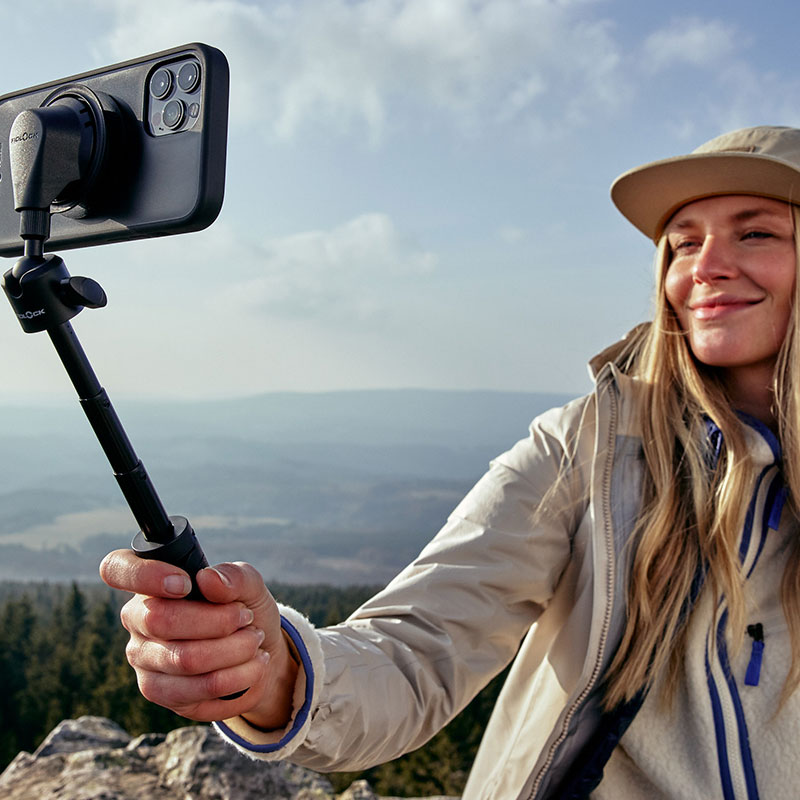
{"points": [[44, 295]]}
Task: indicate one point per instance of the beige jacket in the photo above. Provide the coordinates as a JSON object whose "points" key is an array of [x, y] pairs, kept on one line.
{"points": [[496, 583]]}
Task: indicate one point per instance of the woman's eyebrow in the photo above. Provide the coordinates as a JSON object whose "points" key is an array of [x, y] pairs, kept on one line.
{"points": [[751, 213], [688, 222], [740, 216]]}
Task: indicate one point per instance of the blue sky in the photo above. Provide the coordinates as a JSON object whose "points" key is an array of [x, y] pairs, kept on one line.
{"points": [[417, 190]]}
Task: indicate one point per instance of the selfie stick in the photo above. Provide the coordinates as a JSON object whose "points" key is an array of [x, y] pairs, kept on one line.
{"points": [[45, 298]]}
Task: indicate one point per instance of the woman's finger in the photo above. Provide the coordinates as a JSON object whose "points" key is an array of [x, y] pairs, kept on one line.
{"points": [[123, 569], [167, 620], [198, 697], [189, 657]]}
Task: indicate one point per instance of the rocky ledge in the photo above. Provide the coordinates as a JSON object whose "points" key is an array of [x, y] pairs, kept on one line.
{"points": [[92, 758]]}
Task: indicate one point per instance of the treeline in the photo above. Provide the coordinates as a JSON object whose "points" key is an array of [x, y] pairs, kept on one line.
{"points": [[62, 655]]}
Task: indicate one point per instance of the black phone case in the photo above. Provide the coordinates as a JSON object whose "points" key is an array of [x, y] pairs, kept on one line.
{"points": [[156, 183]]}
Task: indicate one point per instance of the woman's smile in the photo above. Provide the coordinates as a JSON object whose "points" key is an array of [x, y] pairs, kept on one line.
{"points": [[720, 306]]}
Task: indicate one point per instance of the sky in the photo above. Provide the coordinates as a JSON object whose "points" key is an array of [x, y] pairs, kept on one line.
{"points": [[416, 192]]}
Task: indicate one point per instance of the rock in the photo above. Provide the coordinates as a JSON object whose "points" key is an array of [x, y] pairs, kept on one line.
{"points": [[194, 762], [358, 790], [92, 758], [87, 733]]}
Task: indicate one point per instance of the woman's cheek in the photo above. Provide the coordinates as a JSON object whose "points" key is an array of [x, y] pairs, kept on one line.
{"points": [[676, 289]]}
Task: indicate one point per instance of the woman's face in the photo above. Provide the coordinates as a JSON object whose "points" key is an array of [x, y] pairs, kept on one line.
{"points": [[731, 279]]}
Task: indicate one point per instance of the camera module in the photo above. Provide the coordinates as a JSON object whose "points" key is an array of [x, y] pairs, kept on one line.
{"points": [[175, 99], [161, 83], [189, 76], [173, 113]]}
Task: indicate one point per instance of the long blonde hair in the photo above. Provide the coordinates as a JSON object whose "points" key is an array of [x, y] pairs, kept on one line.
{"points": [[693, 514]]}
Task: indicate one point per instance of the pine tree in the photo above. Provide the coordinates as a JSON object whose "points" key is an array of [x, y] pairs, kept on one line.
{"points": [[17, 629]]}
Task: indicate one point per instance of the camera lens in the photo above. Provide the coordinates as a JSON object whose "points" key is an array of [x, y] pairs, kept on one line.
{"points": [[189, 76], [173, 114], [161, 83]]}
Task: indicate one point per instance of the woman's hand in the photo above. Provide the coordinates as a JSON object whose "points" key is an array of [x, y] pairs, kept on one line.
{"points": [[189, 654]]}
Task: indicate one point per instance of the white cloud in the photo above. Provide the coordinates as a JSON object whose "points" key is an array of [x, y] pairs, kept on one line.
{"points": [[727, 91], [372, 64], [755, 97], [350, 273], [693, 41]]}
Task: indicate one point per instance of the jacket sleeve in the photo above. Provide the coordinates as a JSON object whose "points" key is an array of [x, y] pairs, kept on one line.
{"points": [[405, 663]]}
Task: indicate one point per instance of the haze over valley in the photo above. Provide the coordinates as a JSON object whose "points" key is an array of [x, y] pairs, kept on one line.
{"points": [[340, 488]]}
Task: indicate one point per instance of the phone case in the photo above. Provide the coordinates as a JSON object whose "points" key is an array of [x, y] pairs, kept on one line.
{"points": [[162, 122]]}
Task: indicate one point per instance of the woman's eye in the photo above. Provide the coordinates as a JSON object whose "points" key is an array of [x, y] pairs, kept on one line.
{"points": [[757, 235], [685, 244]]}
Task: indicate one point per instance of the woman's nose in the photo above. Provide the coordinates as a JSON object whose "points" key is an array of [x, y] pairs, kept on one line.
{"points": [[714, 261]]}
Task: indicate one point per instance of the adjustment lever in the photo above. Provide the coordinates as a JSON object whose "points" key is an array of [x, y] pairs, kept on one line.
{"points": [[77, 291]]}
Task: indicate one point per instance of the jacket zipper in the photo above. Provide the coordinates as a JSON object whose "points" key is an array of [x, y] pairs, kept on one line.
{"points": [[753, 674], [745, 754], [612, 427]]}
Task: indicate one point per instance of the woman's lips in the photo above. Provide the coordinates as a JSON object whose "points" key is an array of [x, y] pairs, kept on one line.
{"points": [[716, 307]]}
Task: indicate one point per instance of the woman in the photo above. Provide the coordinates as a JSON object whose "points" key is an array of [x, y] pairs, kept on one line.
{"points": [[626, 555]]}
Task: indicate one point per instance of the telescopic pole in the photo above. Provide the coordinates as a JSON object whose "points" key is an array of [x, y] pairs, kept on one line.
{"points": [[46, 297]]}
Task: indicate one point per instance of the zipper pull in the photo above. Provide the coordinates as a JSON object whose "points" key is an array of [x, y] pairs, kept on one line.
{"points": [[756, 632]]}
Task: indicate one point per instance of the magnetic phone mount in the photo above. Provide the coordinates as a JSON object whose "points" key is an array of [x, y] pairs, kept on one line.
{"points": [[57, 153]]}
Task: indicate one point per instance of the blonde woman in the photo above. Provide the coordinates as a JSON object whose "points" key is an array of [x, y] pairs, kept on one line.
{"points": [[637, 556]]}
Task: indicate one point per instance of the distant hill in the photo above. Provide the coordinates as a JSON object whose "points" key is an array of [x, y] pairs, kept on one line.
{"points": [[341, 487], [381, 416]]}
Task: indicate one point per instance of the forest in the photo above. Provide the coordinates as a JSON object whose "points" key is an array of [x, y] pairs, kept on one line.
{"points": [[62, 655]]}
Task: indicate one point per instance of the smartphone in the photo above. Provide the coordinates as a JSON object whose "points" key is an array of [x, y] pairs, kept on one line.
{"points": [[160, 137]]}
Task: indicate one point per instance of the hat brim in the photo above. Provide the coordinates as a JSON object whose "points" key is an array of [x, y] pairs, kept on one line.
{"points": [[649, 195]]}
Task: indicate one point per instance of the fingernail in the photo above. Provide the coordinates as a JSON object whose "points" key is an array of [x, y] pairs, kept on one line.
{"points": [[246, 616], [177, 585], [260, 634], [264, 656], [222, 576]]}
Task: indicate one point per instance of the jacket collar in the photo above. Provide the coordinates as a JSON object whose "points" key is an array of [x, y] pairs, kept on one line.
{"points": [[619, 352]]}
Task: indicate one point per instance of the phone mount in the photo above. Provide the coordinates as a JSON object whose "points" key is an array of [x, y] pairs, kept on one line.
{"points": [[54, 158]]}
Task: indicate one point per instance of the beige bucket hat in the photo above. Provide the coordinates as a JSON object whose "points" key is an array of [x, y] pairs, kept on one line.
{"points": [[762, 161]]}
